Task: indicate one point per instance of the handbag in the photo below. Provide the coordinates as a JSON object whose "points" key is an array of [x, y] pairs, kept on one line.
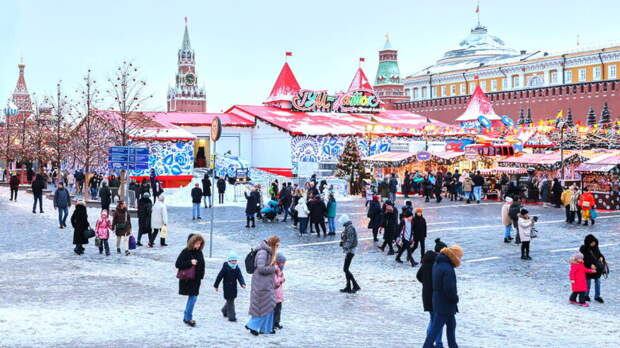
{"points": [[132, 242], [533, 233], [88, 233], [121, 225], [164, 231], [187, 274], [97, 241], [593, 213]]}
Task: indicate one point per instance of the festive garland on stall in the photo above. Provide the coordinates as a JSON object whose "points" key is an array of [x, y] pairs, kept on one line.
{"points": [[574, 158]]}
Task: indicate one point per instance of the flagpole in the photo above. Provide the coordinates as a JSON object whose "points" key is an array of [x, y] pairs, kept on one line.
{"points": [[478, 12]]}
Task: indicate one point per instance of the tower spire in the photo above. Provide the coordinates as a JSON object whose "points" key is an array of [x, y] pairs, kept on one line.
{"points": [[186, 46], [478, 12]]}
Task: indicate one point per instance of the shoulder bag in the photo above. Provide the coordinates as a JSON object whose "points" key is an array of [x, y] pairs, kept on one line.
{"points": [[187, 274]]}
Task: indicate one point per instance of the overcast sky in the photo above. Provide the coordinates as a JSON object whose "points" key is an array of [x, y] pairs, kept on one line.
{"points": [[240, 45]]}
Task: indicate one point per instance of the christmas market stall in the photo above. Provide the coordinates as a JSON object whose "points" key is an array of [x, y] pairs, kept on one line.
{"points": [[601, 175], [400, 162]]}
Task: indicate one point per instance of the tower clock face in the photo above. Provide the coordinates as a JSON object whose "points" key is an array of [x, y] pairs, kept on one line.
{"points": [[190, 79]]}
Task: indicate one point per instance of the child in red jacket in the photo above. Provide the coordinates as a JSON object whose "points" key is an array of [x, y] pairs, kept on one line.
{"points": [[577, 277]]}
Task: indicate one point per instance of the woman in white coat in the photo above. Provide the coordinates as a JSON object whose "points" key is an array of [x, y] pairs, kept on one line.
{"points": [[159, 222]]}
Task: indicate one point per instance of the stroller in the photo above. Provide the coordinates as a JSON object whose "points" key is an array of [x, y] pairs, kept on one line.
{"points": [[270, 211]]}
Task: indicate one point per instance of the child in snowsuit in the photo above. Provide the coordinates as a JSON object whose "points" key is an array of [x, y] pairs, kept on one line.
{"points": [[279, 283], [577, 277], [230, 274], [102, 231]]}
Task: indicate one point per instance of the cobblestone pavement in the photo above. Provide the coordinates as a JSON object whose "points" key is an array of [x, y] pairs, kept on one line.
{"points": [[50, 297]]}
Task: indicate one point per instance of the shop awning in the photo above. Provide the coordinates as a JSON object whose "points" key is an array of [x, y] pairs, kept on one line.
{"points": [[503, 170], [397, 159], [542, 161], [601, 164]]}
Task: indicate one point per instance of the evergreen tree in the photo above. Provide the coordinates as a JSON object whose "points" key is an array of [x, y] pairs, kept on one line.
{"points": [[591, 120], [521, 117], [569, 118], [350, 165], [605, 115], [529, 120]]}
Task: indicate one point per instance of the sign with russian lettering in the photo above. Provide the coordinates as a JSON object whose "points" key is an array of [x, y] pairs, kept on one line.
{"points": [[356, 101]]}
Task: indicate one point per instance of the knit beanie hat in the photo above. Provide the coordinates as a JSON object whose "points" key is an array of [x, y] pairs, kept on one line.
{"points": [[419, 210], [524, 211], [344, 218], [439, 245], [280, 257], [578, 256], [232, 256], [508, 199]]}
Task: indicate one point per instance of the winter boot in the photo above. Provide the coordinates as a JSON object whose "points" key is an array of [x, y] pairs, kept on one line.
{"points": [[247, 222], [506, 240], [253, 222], [118, 250], [599, 299], [399, 260], [162, 242], [585, 223]]}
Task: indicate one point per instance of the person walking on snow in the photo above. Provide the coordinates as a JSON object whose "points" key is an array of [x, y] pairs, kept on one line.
{"points": [[121, 225], [79, 222], [425, 276], [263, 292], [586, 203], [419, 232], [206, 190], [376, 217], [331, 214], [302, 214], [348, 243], [251, 207], [196, 199], [62, 202], [445, 296], [105, 196], [390, 226], [230, 274], [468, 186], [478, 181], [145, 210], [406, 235], [102, 231], [513, 212], [506, 220], [525, 233], [577, 276], [221, 188], [279, 284], [14, 186], [593, 257], [37, 192], [566, 199], [159, 222], [191, 257], [393, 187]]}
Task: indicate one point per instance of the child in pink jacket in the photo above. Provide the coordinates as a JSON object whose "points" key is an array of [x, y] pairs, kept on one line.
{"points": [[577, 277], [102, 231], [279, 283]]}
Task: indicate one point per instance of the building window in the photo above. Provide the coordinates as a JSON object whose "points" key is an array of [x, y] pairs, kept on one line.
{"points": [[415, 93], [463, 89], [453, 90], [582, 75], [483, 85], [493, 85], [443, 91], [553, 76], [515, 81], [504, 84], [423, 92], [596, 73], [611, 71], [471, 88], [568, 76], [434, 92]]}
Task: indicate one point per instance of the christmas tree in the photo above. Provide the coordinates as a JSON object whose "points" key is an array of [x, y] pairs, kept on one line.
{"points": [[569, 118], [529, 120], [591, 117], [605, 116], [350, 165], [521, 117]]}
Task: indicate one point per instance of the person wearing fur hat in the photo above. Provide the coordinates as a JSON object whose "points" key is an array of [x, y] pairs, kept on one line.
{"points": [[375, 215], [230, 274], [592, 256], [145, 210], [390, 226], [348, 242], [279, 284], [191, 257], [506, 220], [577, 277], [419, 232], [445, 295], [525, 232], [425, 276], [79, 222]]}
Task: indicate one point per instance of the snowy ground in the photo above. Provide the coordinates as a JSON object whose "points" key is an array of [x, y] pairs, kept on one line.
{"points": [[49, 297]]}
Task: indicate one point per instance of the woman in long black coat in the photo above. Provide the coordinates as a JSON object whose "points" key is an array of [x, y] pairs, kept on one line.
{"points": [[556, 191], [206, 190], [191, 256], [318, 210], [79, 221], [376, 217], [145, 209], [390, 226], [251, 206]]}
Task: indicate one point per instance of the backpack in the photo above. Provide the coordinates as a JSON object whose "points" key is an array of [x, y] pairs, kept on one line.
{"points": [[250, 261]]}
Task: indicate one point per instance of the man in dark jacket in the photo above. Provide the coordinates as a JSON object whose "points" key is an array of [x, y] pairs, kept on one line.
{"points": [[37, 192], [196, 199], [252, 206], [348, 243], [221, 188], [14, 186], [104, 196], [478, 182], [206, 190], [62, 202], [445, 295], [390, 226], [375, 215], [145, 208], [393, 187], [286, 198], [592, 256], [318, 210], [114, 186], [425, 276]]}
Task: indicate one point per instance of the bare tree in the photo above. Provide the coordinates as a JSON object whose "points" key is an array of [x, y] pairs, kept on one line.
{"points": [[86, 135], [60, 125], [127, 91], [35, 131], [8, 133]]}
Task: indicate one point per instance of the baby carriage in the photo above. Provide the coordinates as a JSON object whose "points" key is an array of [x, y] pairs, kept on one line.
{"points": [[270, 211]]}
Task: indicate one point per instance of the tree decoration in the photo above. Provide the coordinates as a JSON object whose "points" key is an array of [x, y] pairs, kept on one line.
{"points": [[569, 118], [591, 119], [521, 117], [605, 115], [529, 120], [350, 165]]}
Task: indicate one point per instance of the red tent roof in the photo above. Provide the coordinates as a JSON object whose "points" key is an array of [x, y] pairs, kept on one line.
{"points": [[478, 104], [360, 81], [286, 85], [200, 119], [389, 122]]}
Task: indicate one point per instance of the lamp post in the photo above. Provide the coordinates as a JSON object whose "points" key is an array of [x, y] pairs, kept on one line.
{"points": [[370, 128], [561, 125]]}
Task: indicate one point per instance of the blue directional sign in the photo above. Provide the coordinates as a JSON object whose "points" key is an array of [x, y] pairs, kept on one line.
{"points": [[128, 157]]}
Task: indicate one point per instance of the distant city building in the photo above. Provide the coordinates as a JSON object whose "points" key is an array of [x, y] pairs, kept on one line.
{"points": [[543, 81], [186, 96], [388, 84]]}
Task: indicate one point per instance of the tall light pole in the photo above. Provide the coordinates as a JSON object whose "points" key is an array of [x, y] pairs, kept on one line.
{"points": [[561, 125]]}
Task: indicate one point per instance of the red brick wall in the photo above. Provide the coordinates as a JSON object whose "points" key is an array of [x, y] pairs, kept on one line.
{"points": [[545, 102]]}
